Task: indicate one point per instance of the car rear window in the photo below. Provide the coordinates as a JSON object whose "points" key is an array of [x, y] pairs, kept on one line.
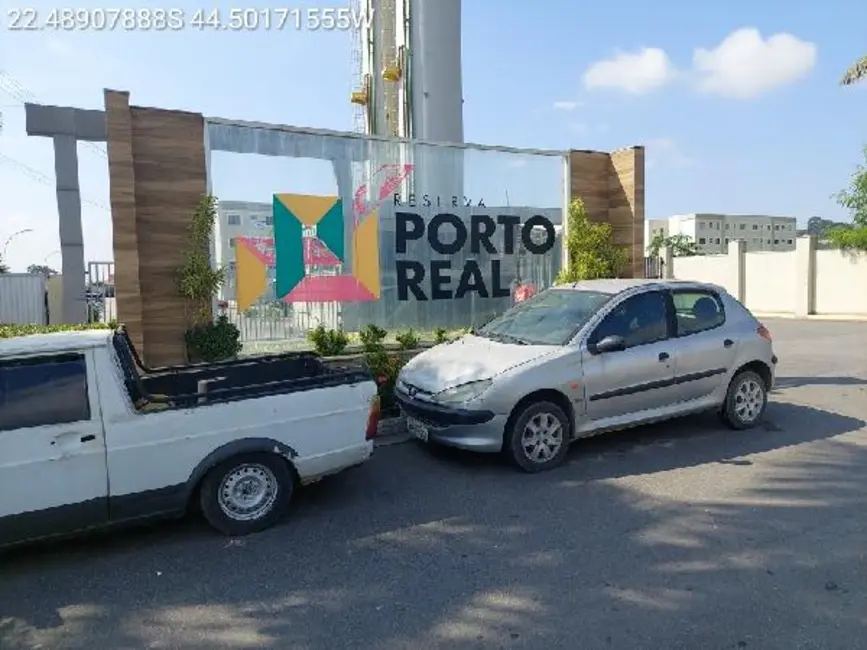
{"points": [[697, 310]]}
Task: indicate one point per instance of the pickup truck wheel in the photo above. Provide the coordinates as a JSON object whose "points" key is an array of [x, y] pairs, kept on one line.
{"points": [[538, 438], [745, 402], [247, 493]]}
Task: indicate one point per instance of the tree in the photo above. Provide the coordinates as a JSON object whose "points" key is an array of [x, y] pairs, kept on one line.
{"points": [[856, 73], [41, 269], [819, 227], [680, 245], [590, 251], [3, 267], [854, 199]]}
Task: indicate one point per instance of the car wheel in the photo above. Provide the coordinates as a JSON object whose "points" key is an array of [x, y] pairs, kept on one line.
{"points": [[745, 402], [247, 493], [538, 438]]}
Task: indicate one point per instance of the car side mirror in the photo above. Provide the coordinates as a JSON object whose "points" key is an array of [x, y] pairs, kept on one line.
{"points": [[608, 344]]}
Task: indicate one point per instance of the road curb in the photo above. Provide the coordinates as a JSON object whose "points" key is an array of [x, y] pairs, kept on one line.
{"points": [[392, 431]]}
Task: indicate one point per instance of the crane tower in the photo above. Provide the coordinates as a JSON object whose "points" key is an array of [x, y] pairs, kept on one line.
{"points": [[407, 83]]}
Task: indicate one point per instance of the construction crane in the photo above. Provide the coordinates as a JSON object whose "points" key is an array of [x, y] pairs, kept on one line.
{"points": [[379, 53], [406, 58], [360, 83]]}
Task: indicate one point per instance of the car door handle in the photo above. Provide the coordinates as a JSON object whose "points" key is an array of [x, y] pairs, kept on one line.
{"points": [[664, 356], [88, 438], [728, 343]]}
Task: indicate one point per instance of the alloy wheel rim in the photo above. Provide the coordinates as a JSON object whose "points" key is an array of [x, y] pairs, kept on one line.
{"points": [[749, 400], [542, 437]]}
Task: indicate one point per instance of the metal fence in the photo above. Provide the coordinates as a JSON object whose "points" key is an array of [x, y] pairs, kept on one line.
{"points": [[279, 321], [100, 293], [653, 267], [23, 299]]}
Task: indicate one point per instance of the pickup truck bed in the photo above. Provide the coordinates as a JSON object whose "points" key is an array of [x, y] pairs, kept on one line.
{"points": [[197, 384]]}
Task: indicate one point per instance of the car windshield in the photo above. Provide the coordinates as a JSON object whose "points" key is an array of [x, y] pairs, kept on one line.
{"points": [[549, 318]]}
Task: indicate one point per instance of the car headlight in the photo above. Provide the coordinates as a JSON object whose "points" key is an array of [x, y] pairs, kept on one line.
{"points": [[463, 393]]}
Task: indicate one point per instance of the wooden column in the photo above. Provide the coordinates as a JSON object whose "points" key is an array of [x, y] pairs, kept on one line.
{"points": [[158, 177], [612, 187], [121, 172], [626, 204]]}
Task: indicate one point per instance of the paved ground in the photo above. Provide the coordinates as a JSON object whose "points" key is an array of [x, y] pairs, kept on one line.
{"points": [[678, 536]]}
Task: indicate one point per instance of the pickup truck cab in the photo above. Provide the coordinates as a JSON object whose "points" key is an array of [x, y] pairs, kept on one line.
{"points": [[90, 437]]}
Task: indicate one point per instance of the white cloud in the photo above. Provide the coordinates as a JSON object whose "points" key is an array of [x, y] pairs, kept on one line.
{"points": [[634, 72], [665, 152], [745, 65], [566, 105]]}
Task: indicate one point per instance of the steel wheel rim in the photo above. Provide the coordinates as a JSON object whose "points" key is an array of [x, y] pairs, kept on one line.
{"points": [[248, 492], [542, 437], [749, 400]]}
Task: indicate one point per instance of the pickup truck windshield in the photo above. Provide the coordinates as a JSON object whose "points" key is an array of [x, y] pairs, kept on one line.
{"points": [[549, 318]]}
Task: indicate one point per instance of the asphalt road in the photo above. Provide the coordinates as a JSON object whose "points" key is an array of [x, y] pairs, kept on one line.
{"points": [[683, 535]]}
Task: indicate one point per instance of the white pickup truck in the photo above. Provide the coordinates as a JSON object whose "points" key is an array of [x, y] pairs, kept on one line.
{"points": [[90, 437]]}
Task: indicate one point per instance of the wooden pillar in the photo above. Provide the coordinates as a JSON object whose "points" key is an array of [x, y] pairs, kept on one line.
{"points": [[158, 177], [121, 172], [612, 187]]}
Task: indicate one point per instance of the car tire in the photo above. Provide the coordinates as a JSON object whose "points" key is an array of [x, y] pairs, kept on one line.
{"points": [[746, 400], [247, 493], [540, 452]]}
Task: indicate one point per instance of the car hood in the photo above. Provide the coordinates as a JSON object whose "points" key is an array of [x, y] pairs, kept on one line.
{"points": [[470, 358]]}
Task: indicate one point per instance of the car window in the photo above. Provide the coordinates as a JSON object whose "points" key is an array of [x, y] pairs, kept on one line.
{"points": [[548, 318], [639, 320], [697, 311], [42, 391]]}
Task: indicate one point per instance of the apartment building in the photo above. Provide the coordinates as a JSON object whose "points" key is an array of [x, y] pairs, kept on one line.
{"points": [[239, 219], [713, 232]]}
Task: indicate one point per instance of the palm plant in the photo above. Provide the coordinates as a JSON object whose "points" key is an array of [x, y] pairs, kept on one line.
{"points": [[856, 73]]}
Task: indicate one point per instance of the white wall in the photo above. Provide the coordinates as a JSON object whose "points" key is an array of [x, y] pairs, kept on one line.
{"points": [[801, 282], [841, 283], [703, 268], [770, 281]]}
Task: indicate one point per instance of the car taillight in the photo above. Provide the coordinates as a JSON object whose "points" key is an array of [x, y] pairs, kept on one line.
{"points": [[764, 333], [373, 419]]}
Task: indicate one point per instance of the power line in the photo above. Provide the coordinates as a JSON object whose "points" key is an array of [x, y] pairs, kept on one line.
{"points": [[39, 177], [10, 86], [13, 88]]}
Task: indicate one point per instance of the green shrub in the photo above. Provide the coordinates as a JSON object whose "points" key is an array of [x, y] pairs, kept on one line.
{"points": [[384, 367], [441, 335], [9, 331], [214, 341], [372, 337], [408, 340], [328, 343]]}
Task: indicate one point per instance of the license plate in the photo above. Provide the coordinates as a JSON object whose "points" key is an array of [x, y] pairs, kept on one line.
{"points": [[416, 429]]}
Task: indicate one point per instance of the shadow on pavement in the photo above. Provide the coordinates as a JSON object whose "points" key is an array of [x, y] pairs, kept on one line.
{"points": [[416, 551], [794, 382]]}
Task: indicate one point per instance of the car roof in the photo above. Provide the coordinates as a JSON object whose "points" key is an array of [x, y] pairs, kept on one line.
{"points": [[54, 342], [619, 285]]}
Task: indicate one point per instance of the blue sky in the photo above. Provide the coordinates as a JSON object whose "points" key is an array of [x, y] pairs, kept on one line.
{"points": [[734, 121]]}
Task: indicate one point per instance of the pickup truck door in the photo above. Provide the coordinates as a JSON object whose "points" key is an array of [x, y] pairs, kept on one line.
{"points": [[53, 476]]}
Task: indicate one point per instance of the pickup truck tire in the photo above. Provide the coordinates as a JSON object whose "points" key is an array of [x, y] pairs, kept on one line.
{"points": [[247, 493], [746, 400], [537, 439]]}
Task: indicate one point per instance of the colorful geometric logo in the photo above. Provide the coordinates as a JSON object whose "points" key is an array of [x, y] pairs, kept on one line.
{"points": [[293, 253]]}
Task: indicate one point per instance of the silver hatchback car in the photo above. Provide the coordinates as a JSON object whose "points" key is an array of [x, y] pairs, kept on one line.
{"points": [[584, 358]]}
